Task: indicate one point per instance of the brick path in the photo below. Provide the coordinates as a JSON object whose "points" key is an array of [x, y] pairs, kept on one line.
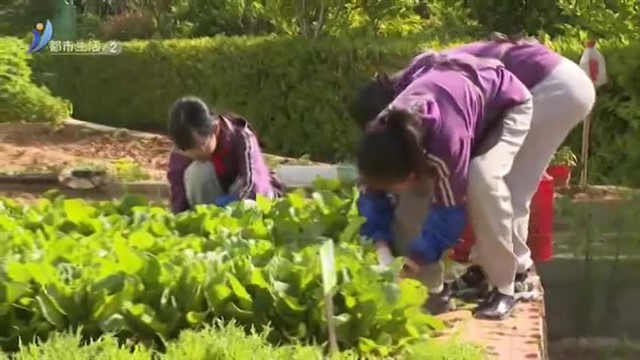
{"points": [[519, 337]]}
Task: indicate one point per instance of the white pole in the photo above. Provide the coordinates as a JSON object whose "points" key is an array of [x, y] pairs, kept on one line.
{"points": [[592, 67], [586, 130]]}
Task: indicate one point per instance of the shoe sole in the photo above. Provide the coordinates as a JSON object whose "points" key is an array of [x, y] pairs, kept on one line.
{"points": [[526, 296], [494, 318], [471, 294], [445, 309], [523, 296]]}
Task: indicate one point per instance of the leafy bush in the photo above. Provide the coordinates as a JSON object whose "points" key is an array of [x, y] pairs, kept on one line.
{"points": [[17, 17], [21, 99], [602, 19], [223, 342], [227, 342], [295, 91], [89, 26], [615, 127], [611, 19], [145, 274], [138, 24]]}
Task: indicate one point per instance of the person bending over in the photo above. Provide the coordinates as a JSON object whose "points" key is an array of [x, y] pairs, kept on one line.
{"points": [[460, 104], [562, 96]]}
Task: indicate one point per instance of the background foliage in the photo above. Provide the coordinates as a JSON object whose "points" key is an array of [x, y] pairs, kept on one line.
{"points": [[294, 79], [20, 98], [196, 18], [295, 91]]}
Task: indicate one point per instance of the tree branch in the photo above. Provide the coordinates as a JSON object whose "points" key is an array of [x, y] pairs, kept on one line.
{"points": [[319, 23]]}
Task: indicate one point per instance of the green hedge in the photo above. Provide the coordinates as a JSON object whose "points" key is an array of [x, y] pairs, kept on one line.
{"points": [[295, 90], [21, 99]]}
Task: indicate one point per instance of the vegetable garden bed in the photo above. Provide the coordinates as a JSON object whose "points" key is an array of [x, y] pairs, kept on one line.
{"points": [[128, 268], [136, 271]]}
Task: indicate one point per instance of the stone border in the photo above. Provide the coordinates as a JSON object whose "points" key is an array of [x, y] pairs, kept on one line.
{"points": [[143, 187], [105, 128]]}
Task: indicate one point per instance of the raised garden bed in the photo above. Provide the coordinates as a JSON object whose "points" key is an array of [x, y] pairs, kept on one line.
{"points": [[33, 155], [134, 269]]}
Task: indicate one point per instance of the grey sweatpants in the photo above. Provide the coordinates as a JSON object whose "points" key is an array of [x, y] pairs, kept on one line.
{"points": [[201, 183], [411, 209], [503, 179]]}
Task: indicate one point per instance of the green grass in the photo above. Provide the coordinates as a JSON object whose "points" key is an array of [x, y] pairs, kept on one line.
{"points": [[219, 342]]}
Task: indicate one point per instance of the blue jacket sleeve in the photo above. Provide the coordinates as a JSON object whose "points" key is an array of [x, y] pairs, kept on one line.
{"points": [[441, 229], [377, 209], [225, 200]]}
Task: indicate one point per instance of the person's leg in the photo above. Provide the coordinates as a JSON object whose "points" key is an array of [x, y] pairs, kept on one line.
{"points": [[560, 102], [490, 210], [439, 299], [411, 210], [201, 183], [412, 207]]}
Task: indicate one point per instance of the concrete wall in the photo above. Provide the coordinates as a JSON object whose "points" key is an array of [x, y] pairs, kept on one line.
{"points": [[592, 285], [596, 297]]}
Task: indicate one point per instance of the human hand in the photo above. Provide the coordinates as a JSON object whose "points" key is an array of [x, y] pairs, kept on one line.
{"points": [[385, 257], [410, 269]]}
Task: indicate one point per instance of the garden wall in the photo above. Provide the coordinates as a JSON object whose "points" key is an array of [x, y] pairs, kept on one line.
{"points": [[295, 90], [592, 285]]}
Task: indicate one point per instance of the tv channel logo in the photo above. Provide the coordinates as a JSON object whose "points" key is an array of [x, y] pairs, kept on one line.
{"points": [[41, 36]]}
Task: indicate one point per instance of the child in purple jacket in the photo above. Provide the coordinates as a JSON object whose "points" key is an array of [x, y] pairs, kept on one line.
{"points": [[562, 96], [216, 159], [430, 131]]}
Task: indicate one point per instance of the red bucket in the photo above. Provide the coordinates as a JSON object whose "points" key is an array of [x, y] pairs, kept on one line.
{"points": [[540, 239]]}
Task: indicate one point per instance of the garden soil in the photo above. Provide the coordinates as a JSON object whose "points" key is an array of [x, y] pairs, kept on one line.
{"points": [[43, 149]]}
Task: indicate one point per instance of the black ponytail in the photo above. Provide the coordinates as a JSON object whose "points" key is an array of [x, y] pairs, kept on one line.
{"points": [[373, 97], [392, 149]]}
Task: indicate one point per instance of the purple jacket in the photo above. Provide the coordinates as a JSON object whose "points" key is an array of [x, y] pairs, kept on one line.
{"points": [[530, 62], [242, 160], [456, 110]]}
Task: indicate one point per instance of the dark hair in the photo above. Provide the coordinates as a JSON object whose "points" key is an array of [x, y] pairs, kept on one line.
{"points": [[392, 148], [520, 38], [188, 116], [380, 91], [373, 97]]}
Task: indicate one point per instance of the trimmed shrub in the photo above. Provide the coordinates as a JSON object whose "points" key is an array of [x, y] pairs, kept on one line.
{"points": [[21, 99], [138, 24], [295, 91]]}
